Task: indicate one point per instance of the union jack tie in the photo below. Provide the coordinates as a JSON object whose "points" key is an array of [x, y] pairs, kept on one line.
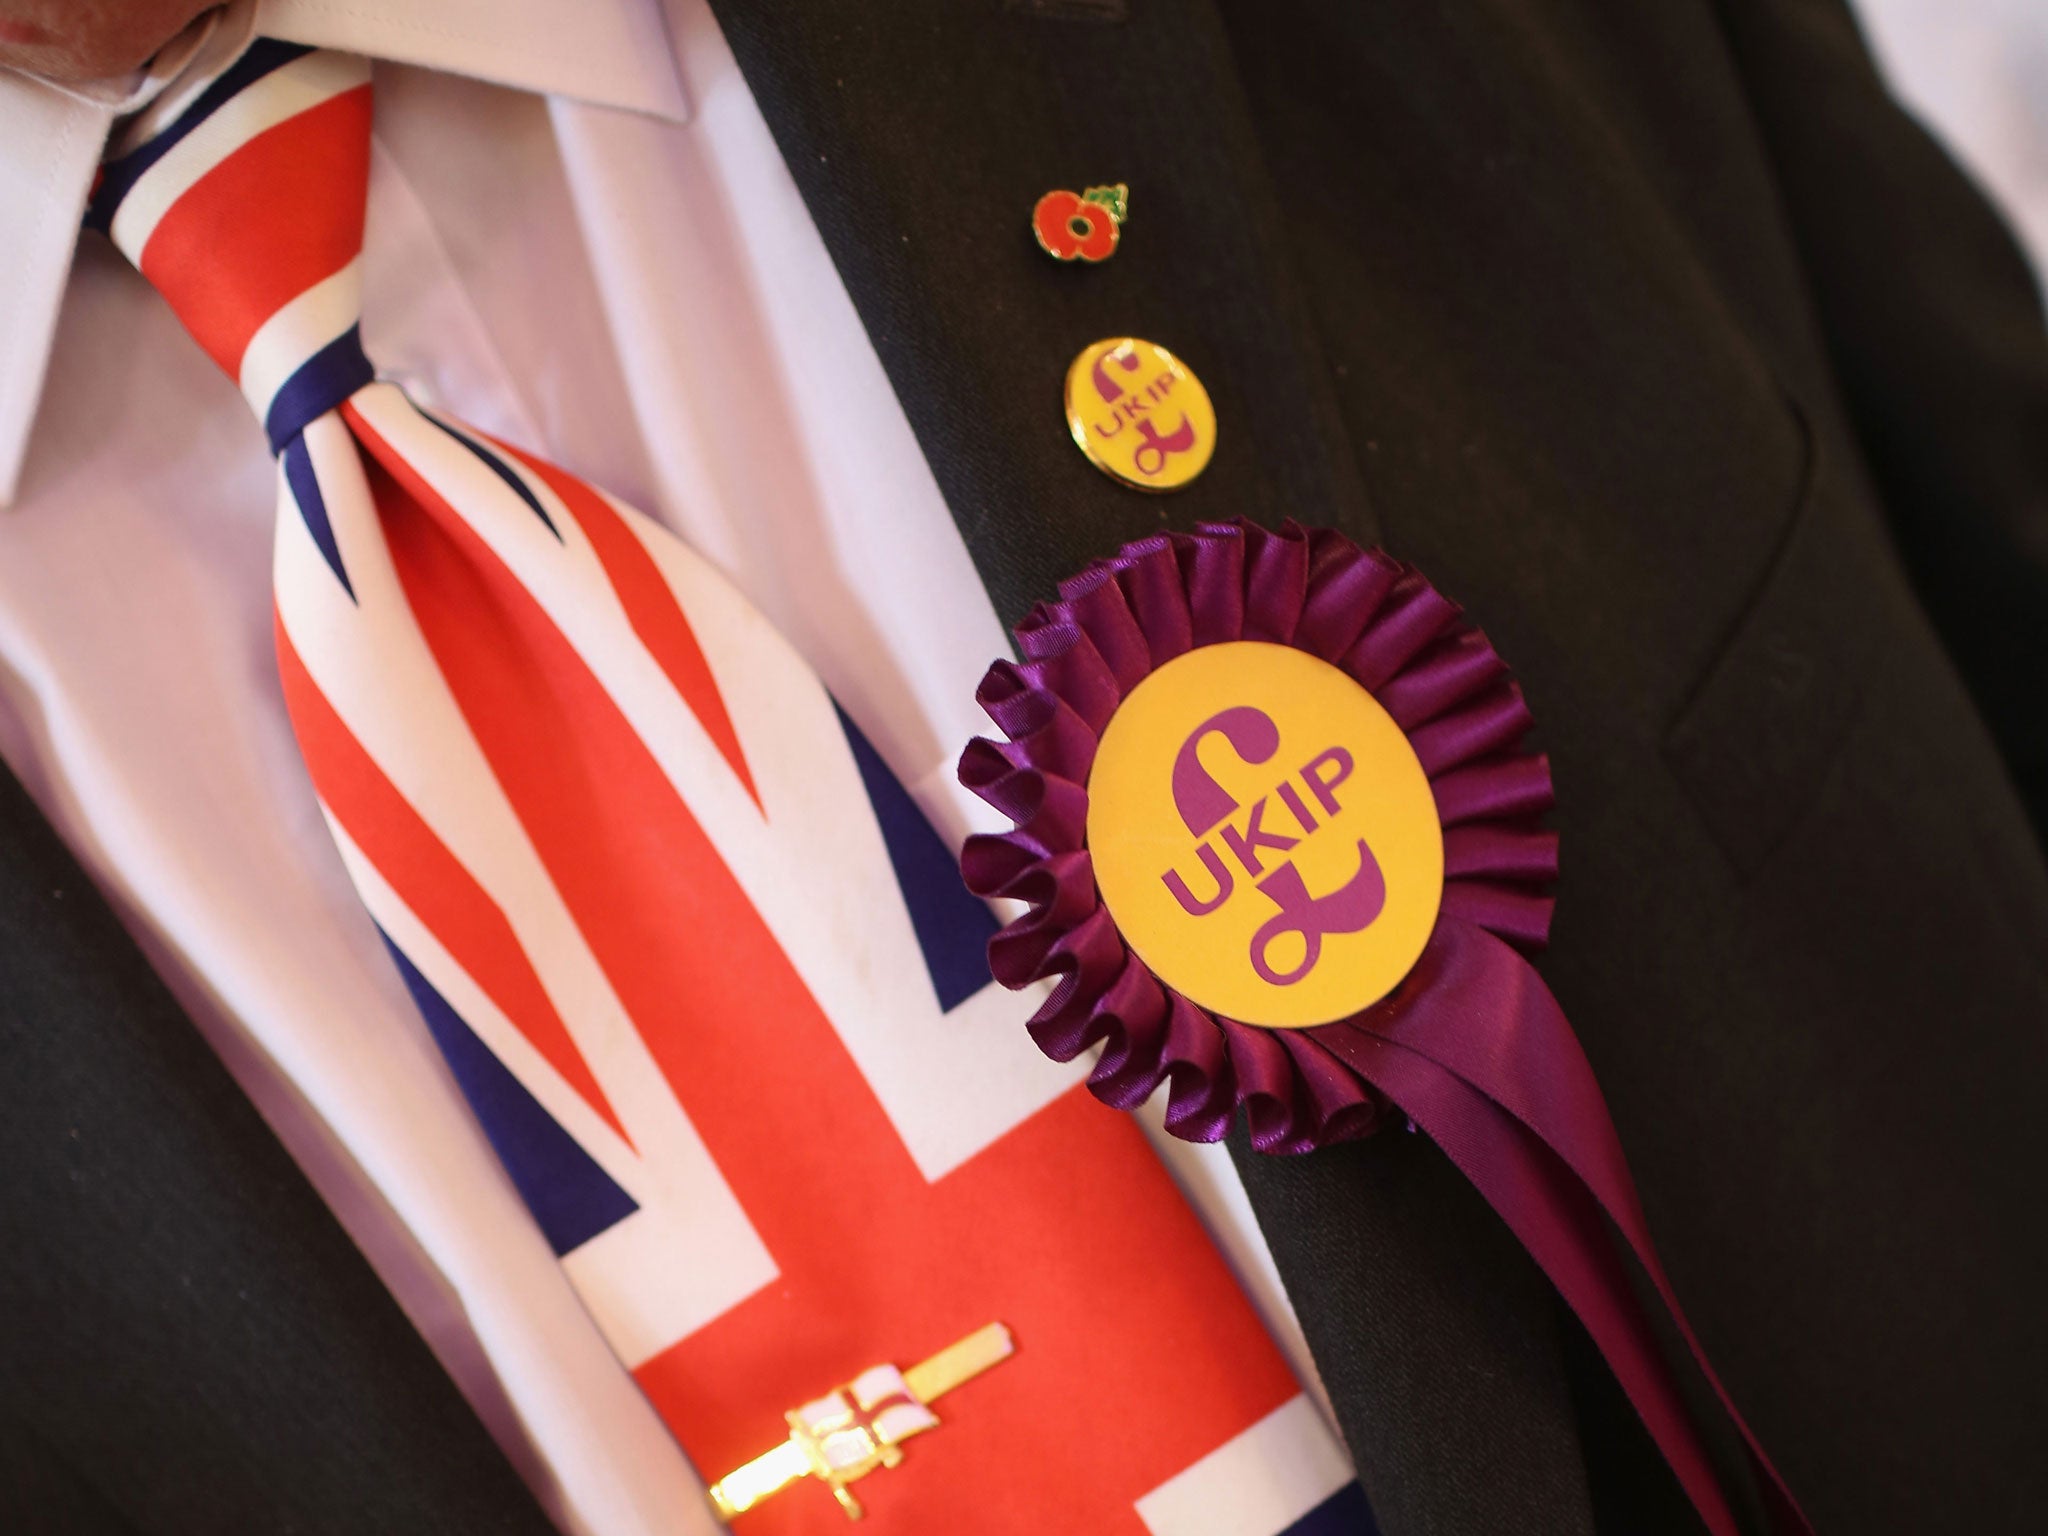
{"points": [[695, 958]]}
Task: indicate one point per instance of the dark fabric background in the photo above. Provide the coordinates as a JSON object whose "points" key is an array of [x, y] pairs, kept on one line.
{"points": [[1665, 343], [189, 1343]]}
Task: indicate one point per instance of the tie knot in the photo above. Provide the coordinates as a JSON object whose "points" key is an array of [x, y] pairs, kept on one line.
{"points": [[246, 212]]}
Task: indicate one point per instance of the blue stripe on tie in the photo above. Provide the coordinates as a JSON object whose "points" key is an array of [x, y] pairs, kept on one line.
{"points": [[501, 469], [953, 927], [317, 386], [305, 488], [118, 177], [570, 1196], [1343, 1513]]}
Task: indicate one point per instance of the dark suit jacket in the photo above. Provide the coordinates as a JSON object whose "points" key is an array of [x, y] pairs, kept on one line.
{"points": [[189, 1343], [1658, 337]]}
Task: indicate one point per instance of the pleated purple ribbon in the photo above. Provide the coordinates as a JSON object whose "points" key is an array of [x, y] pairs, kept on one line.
{"points": [[1471, 1048]]}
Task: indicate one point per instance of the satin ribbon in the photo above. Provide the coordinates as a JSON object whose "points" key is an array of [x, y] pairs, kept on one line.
{"points": [[1477, 1053]]}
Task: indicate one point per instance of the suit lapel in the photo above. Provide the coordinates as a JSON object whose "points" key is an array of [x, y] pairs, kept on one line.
{"points": [[920, 135]]}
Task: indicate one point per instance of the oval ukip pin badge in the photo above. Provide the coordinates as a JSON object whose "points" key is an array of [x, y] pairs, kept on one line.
{"points": [[1138, 414]]}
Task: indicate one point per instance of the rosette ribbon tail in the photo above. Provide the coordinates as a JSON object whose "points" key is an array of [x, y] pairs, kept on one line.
{"points": [[1478, 1054]]}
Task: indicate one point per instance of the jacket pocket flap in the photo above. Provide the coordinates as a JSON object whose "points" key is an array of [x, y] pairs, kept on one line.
{"points": [[1755, 741]]}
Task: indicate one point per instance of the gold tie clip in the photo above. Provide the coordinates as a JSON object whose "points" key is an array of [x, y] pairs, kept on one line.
{"points": [[843, 1436]]}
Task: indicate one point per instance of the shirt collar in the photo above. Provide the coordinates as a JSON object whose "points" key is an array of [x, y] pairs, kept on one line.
{"points": [[613, 53]]}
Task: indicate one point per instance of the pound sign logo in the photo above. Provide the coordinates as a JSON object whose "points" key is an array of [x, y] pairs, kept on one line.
{"points": [[1204, 805]]}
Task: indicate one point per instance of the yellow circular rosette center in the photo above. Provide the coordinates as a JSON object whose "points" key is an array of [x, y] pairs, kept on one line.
{"points": [[1264, 837]]}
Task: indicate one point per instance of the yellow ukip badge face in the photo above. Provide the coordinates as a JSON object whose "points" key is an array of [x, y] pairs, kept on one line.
{"points": [[1264, 837], [1139, 415]]}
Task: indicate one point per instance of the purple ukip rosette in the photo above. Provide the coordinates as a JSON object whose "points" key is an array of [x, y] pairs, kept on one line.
{"points": [[1278, 845]]}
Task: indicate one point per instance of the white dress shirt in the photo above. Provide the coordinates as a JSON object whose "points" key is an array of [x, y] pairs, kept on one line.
{"points": [[581, 237]]}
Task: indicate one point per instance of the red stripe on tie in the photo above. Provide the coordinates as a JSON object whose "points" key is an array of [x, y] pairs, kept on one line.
{"points": [[651, 607], [279, 214], [428, 878], [1137, 1354]]}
